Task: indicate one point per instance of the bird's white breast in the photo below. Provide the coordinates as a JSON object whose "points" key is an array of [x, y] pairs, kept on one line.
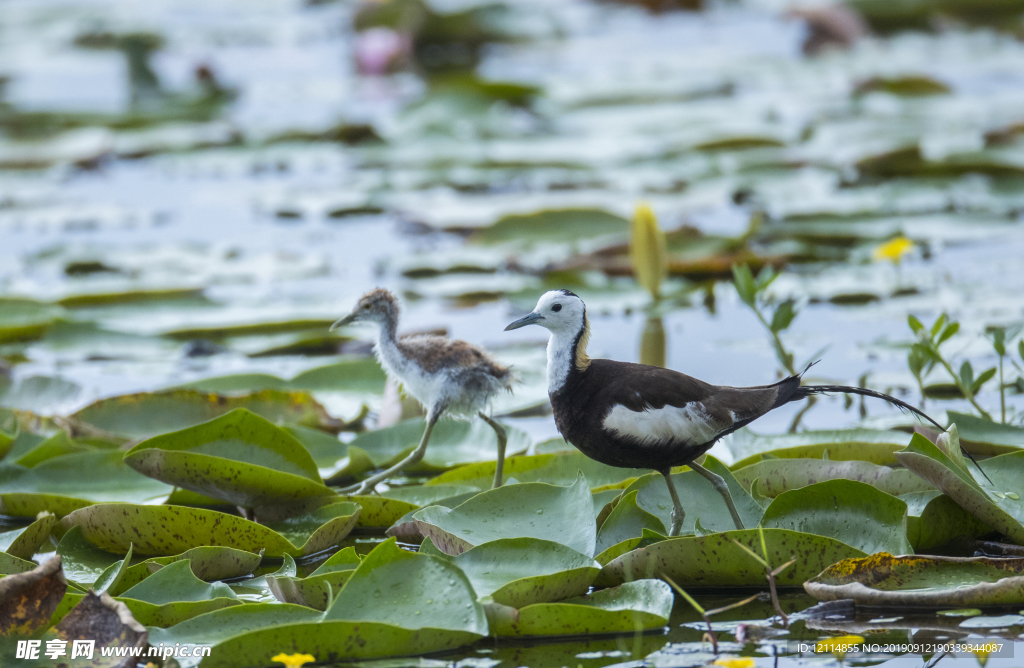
{"points": [[690, 424], [421, 385]]}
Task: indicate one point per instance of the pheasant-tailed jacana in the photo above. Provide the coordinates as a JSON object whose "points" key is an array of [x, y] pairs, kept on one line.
{"points": [[445, 375], [639, 416]]}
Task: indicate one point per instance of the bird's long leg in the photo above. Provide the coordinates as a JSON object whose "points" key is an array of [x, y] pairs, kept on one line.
{"points": [[414, 456], [677, 508], [502, 442], [718, 482]]}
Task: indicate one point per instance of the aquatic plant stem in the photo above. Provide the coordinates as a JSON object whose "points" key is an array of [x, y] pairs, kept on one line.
{"points": [[965, 390]]}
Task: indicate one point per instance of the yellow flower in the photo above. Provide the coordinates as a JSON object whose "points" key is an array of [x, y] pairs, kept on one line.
{"points": [[730, 662], [647, 250], [839, 645], [981, 655], [893, 250], [293, 660]]}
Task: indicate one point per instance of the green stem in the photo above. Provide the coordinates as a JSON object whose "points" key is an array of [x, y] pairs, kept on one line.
{"points": [[965, 390], [779, 348], [1002, 392]]}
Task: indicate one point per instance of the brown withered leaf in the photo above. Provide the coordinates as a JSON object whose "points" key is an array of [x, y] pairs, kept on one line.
{"points": [[27, 600]]}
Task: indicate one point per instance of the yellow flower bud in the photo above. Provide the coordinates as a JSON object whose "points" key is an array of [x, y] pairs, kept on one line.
{"points": [[647, 250], [893, 250]]}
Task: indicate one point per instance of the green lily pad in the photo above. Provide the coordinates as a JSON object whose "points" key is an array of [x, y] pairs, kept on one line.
{"points": [[169, 614], [131, 297], [380, 511], [25, 542], [426, 495], [851, 512], [946, 468], [776, 476], [10, 565], [522, 571], [57, 445], [452, 443], [358, 374], [25, 319], [628, 608], [148, 414], [715, 561], [1000, 438], [555, 225], [869, 445], [627, 520], [321, 586], [82, 561], [214, 627], [64, 484], [922, 581], [113, 575], [934, 519], [699, 499], [239, 458], [176, 582], [171, 530], [556, 468], [253, 329], [524, 510], [6, 443]]}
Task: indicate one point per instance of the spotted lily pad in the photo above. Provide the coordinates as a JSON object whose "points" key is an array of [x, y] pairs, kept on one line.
{"points": [[854, 513], [869, 445], [25, 542], [522, 571], [934, 519], [715, 561], [321, 586], [171, 530], [922, 581], [632, 606], [627, 520], [174, 594], [776, 476], [991, 503], [525, 510], [239, 458], [556, 468]]}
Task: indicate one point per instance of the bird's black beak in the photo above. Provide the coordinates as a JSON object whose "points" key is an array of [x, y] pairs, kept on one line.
{"points": [[528, 319], [343, 321]]}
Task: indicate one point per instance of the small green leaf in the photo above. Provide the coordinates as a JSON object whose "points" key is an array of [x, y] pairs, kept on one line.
{"points": [[783, 316], [967, 375], [744, 282], [938, 325], [948, 333], [915, 324]]}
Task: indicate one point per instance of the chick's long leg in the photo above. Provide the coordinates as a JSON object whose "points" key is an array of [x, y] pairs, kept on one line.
{"points": [[502, 435], [414, 456]]}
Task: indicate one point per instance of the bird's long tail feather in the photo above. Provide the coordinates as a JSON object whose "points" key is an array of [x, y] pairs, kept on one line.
{"points": [[807, 390]]}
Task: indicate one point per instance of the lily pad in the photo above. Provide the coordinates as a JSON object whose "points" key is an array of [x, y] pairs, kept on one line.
{"points": [[171, 530], [55, 446], [522, 571], [359, 374], [946, 469], [239, 458], [715, 561], [25, 319], [28, 599], [176, 582], [627, 520], [555, 225], [851, 512], [560, 468], [979, 431], [922, 581], [148, 414], [452, 443], [699, 498], [869, 445], [628, 608], [25, 542], [775, 476], [525, 510], [83, 562], [10, 565], [321, 586], [934, 519]]}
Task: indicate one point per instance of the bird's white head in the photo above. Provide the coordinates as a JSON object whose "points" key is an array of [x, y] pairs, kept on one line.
{"points": [[565, 315]]}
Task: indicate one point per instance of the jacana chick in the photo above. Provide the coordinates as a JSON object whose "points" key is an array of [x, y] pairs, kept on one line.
{"points": [[640, 416], [445, 375]]}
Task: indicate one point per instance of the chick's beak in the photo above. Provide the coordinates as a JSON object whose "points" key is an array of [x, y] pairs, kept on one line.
{"points": [[528, 319], [343, 321]]}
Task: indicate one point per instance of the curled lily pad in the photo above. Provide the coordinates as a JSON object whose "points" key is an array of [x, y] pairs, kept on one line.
{"points": [[174, 594], [10, 565], [452, 443], [985, 436], [25, 542], [946, 468], [775, 476], [83, 562], [239, 458], [627, 520], [99, 617], [854, 513], [870, 445], [699, 498], [321, 586], [25, 319], [208, 564], [171, 530], [632, 606], [522, 571], [55, 446], [148, 414], [934, 519], [556, 468], [715, 561], [525, 510], [922, 581], [28, 599]]}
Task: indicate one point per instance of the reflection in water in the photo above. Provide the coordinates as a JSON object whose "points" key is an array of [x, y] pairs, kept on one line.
{"points": [[652, 342]]}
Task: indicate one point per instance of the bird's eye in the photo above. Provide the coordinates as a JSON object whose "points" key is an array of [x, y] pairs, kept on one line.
{"points": [[556, 308], [366, 307]]}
